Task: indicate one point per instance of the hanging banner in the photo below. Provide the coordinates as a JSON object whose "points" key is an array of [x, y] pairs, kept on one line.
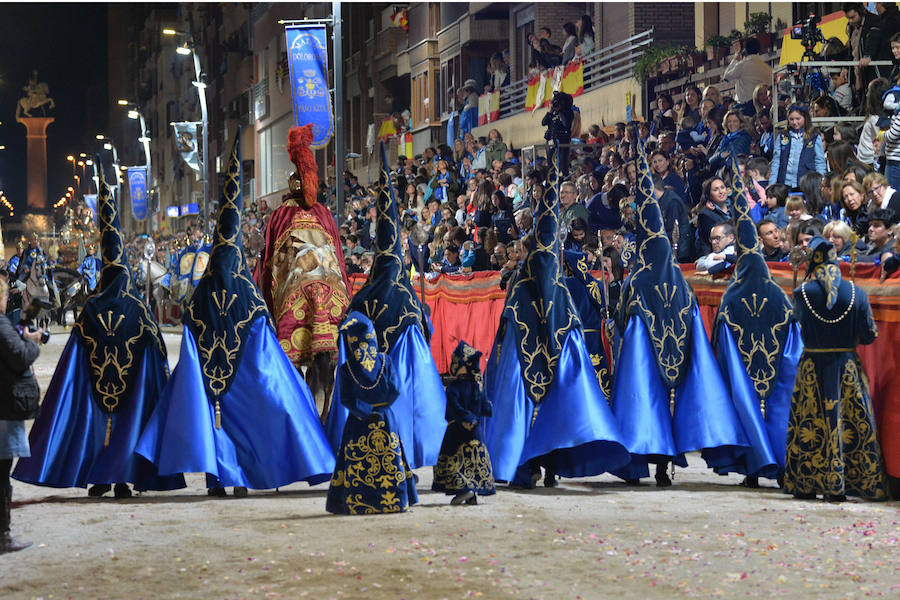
{"points": [[137, 186], [308, 62], [186, 135], [91, 201], [488, 107]]}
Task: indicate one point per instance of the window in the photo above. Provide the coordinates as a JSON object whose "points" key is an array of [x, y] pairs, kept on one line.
{"points": [[524, 28], [451, 80], [274, 163], [420, 110]]}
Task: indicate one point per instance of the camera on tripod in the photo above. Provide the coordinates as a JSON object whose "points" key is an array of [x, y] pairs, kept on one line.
{"points": [[807, 32], [30, 315]]}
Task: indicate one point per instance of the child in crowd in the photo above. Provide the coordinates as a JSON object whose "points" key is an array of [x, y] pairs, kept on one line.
{"points": [[464, 468], [842, 94], [774, 206], [795, 208]]}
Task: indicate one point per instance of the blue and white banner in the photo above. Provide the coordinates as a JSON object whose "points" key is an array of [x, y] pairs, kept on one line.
{"points": [[186, 142], [137, 185], [91, 201], [308, 62]]}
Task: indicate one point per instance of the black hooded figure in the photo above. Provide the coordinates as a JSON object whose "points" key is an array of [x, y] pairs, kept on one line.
{"points": [[558, 122]]}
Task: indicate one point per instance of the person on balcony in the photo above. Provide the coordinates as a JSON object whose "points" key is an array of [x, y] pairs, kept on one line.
{"points": [[585, 36], [568, 49], [747, 70]]}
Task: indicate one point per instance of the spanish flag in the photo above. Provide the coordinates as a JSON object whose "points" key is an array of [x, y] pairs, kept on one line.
{"points": [[387, 129], [573, 78], [488, 107]]}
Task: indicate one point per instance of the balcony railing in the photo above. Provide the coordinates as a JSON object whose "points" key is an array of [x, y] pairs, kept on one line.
{"points": [[602, 67]]}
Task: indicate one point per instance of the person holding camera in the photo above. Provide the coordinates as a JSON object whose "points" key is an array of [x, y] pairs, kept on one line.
{"points": [[19, 397]]}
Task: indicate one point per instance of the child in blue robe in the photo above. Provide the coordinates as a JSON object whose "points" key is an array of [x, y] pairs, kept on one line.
{"points": [[464, 468], [371, 475]]}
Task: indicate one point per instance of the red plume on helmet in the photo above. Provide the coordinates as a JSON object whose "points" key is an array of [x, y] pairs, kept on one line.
{"points": [[299, 139]]}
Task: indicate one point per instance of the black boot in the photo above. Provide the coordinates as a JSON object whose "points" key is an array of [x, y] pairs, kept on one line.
{"points": [[750, 481], [121, 491], [7, 542], [96, 491], [662, 478]]}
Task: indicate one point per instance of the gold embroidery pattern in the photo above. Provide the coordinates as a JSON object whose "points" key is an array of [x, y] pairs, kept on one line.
{"points": [[469, 468], [832, 444], [765, 344], [386, 253], [539, 348], [373, 468], [226, 345], [668, 332], [110, 371]]}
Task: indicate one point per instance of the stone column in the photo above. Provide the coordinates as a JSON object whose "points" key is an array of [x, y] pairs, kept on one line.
{"points": [[36, 164]]}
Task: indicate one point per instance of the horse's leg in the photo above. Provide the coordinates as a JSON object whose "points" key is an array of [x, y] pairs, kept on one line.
{"points": [[325, 365]]}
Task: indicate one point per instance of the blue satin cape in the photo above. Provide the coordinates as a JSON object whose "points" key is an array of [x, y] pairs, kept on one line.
{"points": [[67, 438], [573, 419], [417, 416], [270, 435], [767, 436], [704, 418]]}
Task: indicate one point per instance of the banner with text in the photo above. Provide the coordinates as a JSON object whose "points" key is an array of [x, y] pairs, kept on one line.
{"points": [[308, 62], [137, 186], [186, 137]]}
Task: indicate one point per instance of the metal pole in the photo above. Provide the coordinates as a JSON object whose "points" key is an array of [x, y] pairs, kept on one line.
{"points": [[146, 143], [338, 108], [201, 91]]}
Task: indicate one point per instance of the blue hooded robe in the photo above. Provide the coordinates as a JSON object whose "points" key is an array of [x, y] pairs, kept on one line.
{"points": [[106, 384], [668, 393], [235, 407], [540, 378], [757, 342]]}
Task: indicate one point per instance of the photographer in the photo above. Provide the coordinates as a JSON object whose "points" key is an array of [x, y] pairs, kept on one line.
{"points": [[17, 381]]}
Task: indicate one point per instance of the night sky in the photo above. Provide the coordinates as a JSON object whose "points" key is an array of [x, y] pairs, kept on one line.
{"points": [[66, 43]]}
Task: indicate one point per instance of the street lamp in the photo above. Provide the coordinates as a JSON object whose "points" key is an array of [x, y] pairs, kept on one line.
{"points": [[186, 48], [135, 113]]}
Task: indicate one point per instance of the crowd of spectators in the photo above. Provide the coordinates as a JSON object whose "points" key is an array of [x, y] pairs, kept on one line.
{"points": [[473, 200], [839, 180]]}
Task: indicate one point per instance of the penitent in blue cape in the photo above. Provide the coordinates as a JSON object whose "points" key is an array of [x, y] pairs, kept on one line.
{"points": [[388, 300], [539, 377], [235, 407], [758, 346], [106, 384], [668, 393]]}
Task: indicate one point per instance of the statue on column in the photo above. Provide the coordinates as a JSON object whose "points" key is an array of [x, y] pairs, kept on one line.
{"points": [[37, 95]]}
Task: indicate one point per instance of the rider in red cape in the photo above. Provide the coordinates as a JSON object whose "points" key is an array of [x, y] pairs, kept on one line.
{"points": [[301, 272]]}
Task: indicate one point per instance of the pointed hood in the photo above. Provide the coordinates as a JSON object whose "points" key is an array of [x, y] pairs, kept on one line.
{"points": [[226, 301], [538, 307], [756, 310], [656, 291], [115, 274], [115, 325], [465, 356], [387, 297]]}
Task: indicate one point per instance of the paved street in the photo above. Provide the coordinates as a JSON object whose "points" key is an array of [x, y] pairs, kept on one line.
{"points": [[705, 537]]}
